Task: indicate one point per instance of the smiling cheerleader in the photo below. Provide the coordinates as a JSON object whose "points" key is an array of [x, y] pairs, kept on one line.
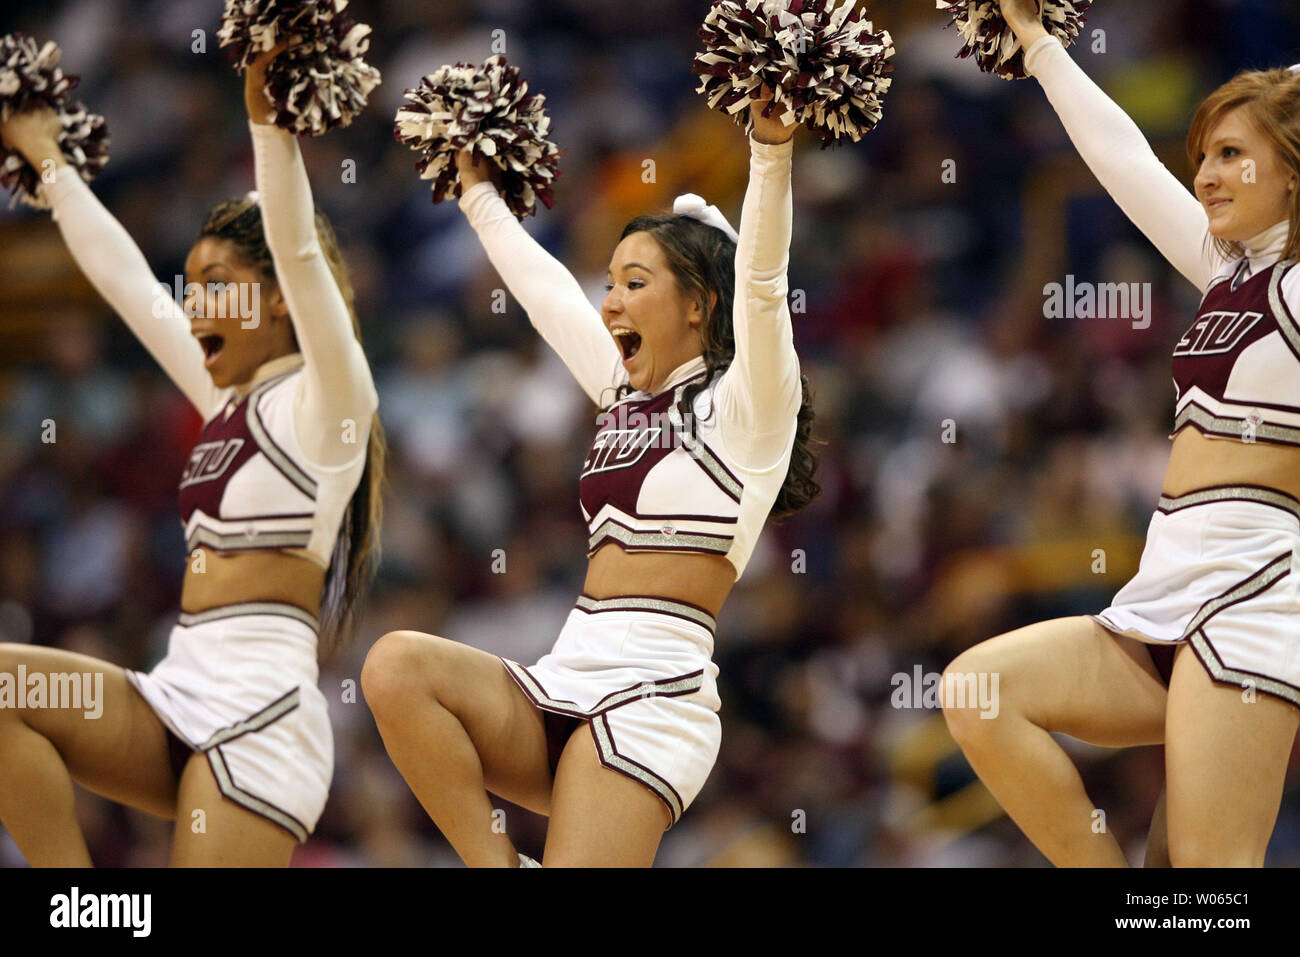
{"points": [[1200, 650]]}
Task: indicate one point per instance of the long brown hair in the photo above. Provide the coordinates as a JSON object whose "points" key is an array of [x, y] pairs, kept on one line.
{"points": [[703, 263], [356, 548], [1271, 99]]}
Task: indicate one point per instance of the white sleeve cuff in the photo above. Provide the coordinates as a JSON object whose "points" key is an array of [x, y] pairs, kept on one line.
{"points": [[1038, 50]]}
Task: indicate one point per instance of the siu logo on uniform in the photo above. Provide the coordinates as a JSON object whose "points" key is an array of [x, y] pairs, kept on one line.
{"points": [[209, 461], [617, 449], [1216, 332]]}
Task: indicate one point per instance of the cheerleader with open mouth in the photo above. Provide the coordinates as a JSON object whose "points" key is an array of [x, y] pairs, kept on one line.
{"points": [[229, 735], [1200, 650], [706, 430]]}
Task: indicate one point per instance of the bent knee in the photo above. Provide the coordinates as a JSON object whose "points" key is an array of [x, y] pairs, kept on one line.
{"points": [[970, 693], [399, 665]]}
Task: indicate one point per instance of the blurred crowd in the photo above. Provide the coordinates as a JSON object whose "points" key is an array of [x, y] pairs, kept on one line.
{"points": [[976, 457]]}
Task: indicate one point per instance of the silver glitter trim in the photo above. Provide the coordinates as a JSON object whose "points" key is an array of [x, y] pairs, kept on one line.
{"points": [[701, 452], [235, 541], [524, 678], [304, 482], [1284, 322], [228, 787], [610, 757], [650, 689], [1256, 583], [1263, 496], [719, 544], [189, 619], [670, 687], [1201, 642], [639, 603], [1229, 426], [268, 715]]}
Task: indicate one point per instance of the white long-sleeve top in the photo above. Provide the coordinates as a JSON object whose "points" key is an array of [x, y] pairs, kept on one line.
{"points": [[309, 414], [1165, 210], [1237, 368], [708, 493]]}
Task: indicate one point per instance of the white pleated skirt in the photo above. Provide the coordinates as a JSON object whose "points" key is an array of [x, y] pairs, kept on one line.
{"points": [[1219, 572], [238, 685], [639, 670]]}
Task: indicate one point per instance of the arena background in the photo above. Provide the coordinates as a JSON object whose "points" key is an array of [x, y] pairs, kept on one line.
{"points": [[924, 319]]}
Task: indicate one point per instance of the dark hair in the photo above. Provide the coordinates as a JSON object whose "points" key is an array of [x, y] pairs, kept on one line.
{"points": [[356, 549], [703, 263]]}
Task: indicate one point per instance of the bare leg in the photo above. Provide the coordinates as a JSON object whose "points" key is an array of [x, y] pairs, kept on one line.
{"points": [[225, 835], [1070, 676], [121, 754], [456, 725], [599, 817], [1158, 839], [1225, 764]]}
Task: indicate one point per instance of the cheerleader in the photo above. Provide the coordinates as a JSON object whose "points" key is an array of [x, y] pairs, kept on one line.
{"points": [[705, 431], [228, 735], [1199, 651]]}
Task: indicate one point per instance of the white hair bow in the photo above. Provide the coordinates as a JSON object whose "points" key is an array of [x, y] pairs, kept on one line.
{"points": [[253, 195], [696, 208]]}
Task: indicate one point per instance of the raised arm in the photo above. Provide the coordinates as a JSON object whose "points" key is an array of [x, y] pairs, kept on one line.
{"points": [[336, 384], [554, 301], [760, 393], [1168, 214], [113, 263]]}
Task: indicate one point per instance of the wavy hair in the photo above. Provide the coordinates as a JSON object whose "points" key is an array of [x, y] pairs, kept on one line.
{"points": [[703, 263]]}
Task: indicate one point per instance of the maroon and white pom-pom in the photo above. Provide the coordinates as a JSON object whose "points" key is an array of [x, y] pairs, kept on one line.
{"points": [[489, 111], [321, 82], [990, 41], [30, 78], [824, 65]]}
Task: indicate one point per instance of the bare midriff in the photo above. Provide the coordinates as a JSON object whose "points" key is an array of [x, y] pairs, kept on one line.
{"points": [[698, 579], [213, 580], [1198, 461]]}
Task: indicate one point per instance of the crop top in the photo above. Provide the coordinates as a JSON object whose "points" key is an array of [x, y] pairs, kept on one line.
{"points": [[654, 481], [649, 485], [280, 455], [1237, 369]]}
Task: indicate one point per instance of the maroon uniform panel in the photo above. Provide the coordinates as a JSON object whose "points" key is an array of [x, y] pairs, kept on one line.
{"points": [[224, 445], [1232, 316], [264, 508], [690, 503], [634, 438]]}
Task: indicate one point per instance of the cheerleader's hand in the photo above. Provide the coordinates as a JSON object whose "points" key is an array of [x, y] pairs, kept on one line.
{"points": [[474, 170], [255, 101], [1025, 18], [769, 129], [35, 134]]}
